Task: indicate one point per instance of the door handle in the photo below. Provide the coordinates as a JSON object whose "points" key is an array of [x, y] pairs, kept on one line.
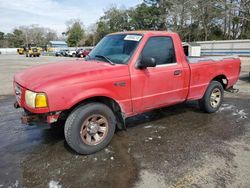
{"points": [[177, 72]]}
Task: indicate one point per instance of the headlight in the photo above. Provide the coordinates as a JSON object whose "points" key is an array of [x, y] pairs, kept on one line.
{"points": [[35, 100]]}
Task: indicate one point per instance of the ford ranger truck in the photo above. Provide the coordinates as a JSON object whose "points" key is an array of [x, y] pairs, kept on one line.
{"points": [[126, 74]]}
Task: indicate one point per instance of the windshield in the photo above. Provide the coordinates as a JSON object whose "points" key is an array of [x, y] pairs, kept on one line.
{"points": [[116, 48]]}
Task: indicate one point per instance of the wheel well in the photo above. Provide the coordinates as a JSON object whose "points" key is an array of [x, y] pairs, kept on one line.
{"points": [[222, 79], [112, 104]]}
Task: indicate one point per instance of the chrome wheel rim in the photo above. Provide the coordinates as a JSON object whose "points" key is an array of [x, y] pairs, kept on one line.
{"points": [[215, 98], [94, 129]]}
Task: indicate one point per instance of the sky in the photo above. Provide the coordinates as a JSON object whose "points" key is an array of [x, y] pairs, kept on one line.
{"points": [[55, 13]]}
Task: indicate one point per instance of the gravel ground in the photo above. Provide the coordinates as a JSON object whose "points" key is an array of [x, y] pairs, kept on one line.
{"points": [[177, 146]]}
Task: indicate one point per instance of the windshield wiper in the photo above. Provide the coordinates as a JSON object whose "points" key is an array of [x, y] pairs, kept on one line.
{"points": [[106, 58]]}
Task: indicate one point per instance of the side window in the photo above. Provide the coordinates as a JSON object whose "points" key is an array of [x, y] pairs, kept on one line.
{"points": [[160, 48]]}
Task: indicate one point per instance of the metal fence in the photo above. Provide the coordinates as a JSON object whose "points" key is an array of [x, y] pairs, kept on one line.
{"points": [[225, 47], [8, 50]]}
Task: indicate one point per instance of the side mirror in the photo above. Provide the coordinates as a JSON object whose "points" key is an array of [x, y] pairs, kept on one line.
{"points": [[146, 62]]}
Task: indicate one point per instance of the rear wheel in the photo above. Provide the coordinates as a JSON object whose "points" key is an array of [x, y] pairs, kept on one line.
{"points": [[90, 128], [213, 97]]}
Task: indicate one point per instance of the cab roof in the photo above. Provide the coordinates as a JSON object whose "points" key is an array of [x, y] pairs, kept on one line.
{"points": [[145, 32]]}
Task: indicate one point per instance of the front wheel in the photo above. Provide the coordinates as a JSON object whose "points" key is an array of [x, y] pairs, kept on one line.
{"points": [[212, 98], [90, 128]]}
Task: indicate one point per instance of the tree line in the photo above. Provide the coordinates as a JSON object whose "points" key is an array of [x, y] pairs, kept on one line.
{"points": [[23, 35], [194, 20]]}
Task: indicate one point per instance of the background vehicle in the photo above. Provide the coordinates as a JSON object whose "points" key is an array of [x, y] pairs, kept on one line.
{"points": [[84, 53], [64, 52], [72, 53], [125, 74], [78, 52], [21, 50], [32, 50]]}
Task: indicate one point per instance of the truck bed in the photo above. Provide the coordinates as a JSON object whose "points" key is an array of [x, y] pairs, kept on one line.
{"points": [[205, 69], [209, 58]]}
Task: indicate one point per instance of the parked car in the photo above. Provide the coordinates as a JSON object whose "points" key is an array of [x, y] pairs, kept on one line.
{"points": [[84, 53], [63, 52], [72, 53], [78, 51], [126, 74]]}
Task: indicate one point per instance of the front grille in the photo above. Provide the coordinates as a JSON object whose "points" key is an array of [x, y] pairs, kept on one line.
{"points": [[18, 93]]}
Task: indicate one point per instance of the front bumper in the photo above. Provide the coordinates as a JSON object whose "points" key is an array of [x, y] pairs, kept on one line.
{"points": [[31, 118]]}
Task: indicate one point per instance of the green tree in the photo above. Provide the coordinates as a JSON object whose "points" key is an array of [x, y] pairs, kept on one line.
{"points": [[1, 39], [18, 38], [145, 17], [9, 40], [75, 33], [37, 35], [102, 30], [114, 20], [1, 35]]}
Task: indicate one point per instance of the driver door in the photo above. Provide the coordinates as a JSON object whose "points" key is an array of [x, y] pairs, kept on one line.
{"points": [[163, 84]]}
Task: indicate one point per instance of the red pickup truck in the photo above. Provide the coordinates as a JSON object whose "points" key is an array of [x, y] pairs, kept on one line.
{"points": [[126, 74]]}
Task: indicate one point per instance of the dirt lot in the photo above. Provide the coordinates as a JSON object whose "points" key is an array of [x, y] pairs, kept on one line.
{"points": [[172, 147]]}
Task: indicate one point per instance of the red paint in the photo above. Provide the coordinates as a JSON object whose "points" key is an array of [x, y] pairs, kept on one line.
{"points": [[68, 83]]}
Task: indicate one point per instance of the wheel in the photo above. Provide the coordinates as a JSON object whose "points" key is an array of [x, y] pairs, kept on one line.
{"points": [[73, 55], [90, 128], [212, 98]]}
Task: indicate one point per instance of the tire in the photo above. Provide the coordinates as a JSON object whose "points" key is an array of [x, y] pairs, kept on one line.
{"points": [[212, 98], [83, 142]]}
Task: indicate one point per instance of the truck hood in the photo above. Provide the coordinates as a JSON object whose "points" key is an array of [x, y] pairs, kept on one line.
{"points": [[68, 72]]}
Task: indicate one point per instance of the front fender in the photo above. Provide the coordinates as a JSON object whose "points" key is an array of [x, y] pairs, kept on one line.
{"points": [[96, 92], [70, 99]]}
